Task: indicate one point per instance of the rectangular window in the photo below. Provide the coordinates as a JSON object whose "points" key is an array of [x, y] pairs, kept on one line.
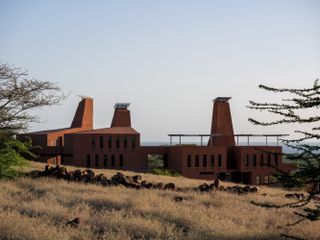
{"points": [[219, 160], [189, 161], [261, 159], [266, 179], [212, 161], [112, 160], [118, 142], [133, 143], [197, 161], [110, 142], [125, 142], [269, 159], [105, 161], [257, 180], [276, 159], [254, 160], [93, 140], [121, 160], [101, 141], [97, 160], [204, 161], [88, 160], [247, 160]]}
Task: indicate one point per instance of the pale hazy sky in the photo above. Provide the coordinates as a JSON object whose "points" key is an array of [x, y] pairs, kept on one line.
{"points": [[168, 58]]}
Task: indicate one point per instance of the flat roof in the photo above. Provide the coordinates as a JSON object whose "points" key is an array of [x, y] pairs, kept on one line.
{"points": [[235, 135], [121, 105], [113, 130], [221, 99]]}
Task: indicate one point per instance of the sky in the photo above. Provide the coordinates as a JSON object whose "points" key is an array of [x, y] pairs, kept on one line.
{"points": [[168, 58]]}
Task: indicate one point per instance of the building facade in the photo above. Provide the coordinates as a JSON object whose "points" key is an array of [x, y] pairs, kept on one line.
{"points": [[119, 147]]}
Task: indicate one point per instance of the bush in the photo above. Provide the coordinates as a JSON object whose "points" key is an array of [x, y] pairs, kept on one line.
{"points": [[164, 171], [12, 156]]}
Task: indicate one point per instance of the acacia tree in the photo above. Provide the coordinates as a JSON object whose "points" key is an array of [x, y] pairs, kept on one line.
{"points": [[291, 110], [18, 95]]}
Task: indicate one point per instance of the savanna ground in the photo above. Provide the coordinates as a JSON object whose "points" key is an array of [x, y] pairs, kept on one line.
{"points": [[40, 208]]}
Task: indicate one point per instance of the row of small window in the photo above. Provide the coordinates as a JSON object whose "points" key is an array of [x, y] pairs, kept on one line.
{"points": [[265, 180], [106, 161], [125, 142], [262, 161], [204, 160]]}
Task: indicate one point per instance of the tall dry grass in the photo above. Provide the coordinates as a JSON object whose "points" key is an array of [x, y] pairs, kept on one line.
{"points": [[40, 208]]}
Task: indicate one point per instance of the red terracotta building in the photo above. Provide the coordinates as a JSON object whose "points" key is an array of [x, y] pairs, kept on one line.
{"points": [[118, 147]]}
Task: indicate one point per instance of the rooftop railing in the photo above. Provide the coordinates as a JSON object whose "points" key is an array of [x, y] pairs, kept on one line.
{"points": [[237, 137]]}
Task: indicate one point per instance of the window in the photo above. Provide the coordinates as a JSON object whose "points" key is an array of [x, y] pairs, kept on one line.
{"points": [[189, 161], [88, 160], [97, 160], [276, 159], [110, 142], [254, 160], [125, 142], [121, 160], [204, 161], [101, 141], [257, 180], [105, 161], [197, 161], [118, 142], [269, 159], [219, 160], [133, 143], [247, 160], [266, 179], [261, 159], [212, 161], [93, 140], [112, 160]]}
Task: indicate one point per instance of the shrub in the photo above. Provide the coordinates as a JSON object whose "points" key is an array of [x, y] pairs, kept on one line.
{"points": [[12, 156], [164, 171]]}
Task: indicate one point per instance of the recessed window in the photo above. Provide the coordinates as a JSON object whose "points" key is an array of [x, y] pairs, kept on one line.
{"points": [[247, 160], [197, 161], [266, 179], [121, 160], [118, 142], [261, 159], [276, 159], [219, 160], [97, 160], [269, 159], [257, 180], [105, 161], [125, 142], [212, 161], [133, 143], [189, 160], [254, 160], [110, 142], [204, 161], [88, 160], [93, 140], [101, 141], [112, 160]]}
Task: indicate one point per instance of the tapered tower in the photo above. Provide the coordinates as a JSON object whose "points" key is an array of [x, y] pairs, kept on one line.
{"points": [[221, 124], [121, 116], [84, 114]]}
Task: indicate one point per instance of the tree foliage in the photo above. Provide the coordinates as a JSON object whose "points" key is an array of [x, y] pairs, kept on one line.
{"points": [[292, 110], [18, 95]]}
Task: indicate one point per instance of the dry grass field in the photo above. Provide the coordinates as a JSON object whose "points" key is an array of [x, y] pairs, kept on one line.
{"points": [[40, 208]]}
